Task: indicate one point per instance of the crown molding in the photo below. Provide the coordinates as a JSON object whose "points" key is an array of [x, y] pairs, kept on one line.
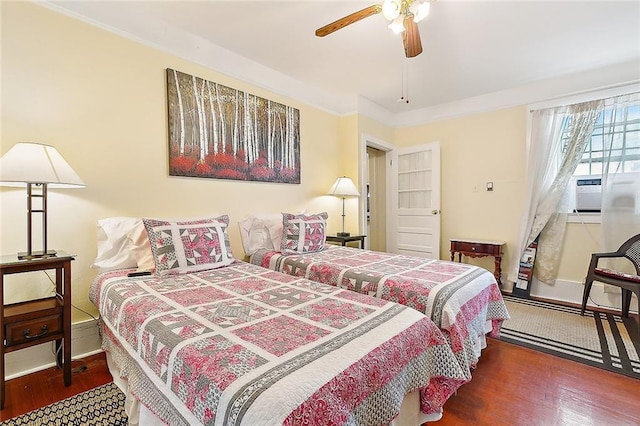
{"points": [[195, 49]]}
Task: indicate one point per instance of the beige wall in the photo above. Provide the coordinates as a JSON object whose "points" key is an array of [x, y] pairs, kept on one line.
{"points": [[482, 148], [100, 100], [581, 240], [490, 147]]}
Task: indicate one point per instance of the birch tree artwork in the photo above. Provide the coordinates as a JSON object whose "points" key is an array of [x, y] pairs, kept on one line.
{"points": [[219, 132]]}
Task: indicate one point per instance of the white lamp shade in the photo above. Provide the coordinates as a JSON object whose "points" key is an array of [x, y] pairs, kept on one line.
{"points": [[28, 162], [344, 187]]}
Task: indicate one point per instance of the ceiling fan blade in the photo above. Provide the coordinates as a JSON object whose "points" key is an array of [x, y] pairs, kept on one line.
{"points": [[348, 20], [411, 38]]}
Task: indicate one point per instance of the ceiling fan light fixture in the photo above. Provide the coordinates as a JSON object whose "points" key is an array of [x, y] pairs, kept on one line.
{"points": [[420, 10], [397, 25], [391, 9]]}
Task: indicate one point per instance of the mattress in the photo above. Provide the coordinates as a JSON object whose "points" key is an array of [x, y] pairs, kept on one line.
{"points": [[243, 345], [463, 300]]}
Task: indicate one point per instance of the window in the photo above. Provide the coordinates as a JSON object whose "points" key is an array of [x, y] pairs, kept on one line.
{"points": [[619, 126]]}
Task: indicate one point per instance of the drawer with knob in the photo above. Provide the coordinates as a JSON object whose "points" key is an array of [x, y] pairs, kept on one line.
{"points": [[480, 248], [33, 321], [32, 330]]}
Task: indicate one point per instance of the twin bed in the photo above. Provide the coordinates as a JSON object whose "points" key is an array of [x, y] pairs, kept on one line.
{"points": [[209, 339], [463, 300]]}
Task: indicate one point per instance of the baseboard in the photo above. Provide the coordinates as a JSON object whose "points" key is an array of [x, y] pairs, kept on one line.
{"points": [[85, 341], [571, 292]]}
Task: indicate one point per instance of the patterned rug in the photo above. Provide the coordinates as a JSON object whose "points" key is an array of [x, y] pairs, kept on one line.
{"points": [[103, 405], [598, 339]]}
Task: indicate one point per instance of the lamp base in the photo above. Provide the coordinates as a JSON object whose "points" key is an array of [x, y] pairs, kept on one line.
{"points": [[36, 255], [343, 234]]}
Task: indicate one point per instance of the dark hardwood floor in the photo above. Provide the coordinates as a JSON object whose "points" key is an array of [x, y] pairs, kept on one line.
{"points": [[36, 390], [511, 386]]}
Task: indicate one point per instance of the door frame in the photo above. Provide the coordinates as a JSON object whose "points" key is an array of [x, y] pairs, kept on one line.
{"points": [[363, 170]]}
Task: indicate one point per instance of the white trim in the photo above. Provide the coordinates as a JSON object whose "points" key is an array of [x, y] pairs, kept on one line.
{"points": [[537, 93], [190, 47], [363, 168], [587, 96], [85, 341], [584, 218], [571, 292], [184, 45]]}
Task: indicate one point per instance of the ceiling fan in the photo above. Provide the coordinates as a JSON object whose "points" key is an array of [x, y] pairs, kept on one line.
{"points": [[403, 14]]}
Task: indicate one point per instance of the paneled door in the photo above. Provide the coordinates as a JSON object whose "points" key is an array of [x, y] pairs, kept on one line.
{"points": [[415, 204]]}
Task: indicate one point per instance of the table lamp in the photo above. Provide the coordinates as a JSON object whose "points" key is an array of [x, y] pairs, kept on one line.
{"points": [[344, 187], [40, 167]]}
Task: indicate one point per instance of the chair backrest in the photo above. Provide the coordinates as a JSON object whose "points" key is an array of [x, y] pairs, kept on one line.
{"points": [[631, 250]]}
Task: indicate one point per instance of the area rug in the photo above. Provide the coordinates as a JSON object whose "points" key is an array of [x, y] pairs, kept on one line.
{"points": [[603, 340], [103, 405]]}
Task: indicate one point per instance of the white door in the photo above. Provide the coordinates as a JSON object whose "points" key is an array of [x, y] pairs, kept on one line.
{"points": [[415, 201]]}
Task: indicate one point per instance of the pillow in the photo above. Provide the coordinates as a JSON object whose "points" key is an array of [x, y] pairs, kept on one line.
{"points": [[113, 243], [254, 233], [303, 234], [140, 248], [180, 247], [262, 231]]}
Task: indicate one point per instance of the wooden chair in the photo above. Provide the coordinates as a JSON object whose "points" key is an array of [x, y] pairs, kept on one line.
{"points": [[629, 283]]}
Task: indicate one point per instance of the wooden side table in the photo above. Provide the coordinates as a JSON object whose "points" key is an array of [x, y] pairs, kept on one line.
{"points": [[37, 321], [344, 240], [474, 248]]}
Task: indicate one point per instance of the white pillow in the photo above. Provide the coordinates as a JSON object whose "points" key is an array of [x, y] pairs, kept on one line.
{"points": [[141, 248], [114, 244], [262, 231], [255, 235], [123, 243]]}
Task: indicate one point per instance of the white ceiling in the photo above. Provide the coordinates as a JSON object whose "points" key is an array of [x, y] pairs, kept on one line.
{"points": [[471, 48]]}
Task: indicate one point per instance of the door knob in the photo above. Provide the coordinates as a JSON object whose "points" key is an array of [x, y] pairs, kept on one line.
{"points": [[435, 211]]}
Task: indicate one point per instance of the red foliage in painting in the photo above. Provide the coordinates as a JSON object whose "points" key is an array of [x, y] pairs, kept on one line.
{"points": [[289, 175], [230, 174], [220, 160], [203, 169], [260, 162], [225, 160], [182, 165], [261, 173]]}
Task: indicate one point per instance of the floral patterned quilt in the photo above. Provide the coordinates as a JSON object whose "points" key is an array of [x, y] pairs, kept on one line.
{"points": [[244, 345], [460, 298]]}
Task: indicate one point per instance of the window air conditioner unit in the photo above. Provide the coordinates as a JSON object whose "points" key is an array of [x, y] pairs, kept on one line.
{"points": [[588, 195]]}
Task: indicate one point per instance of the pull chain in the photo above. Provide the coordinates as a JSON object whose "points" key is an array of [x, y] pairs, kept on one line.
{"points": [[404, 82]]}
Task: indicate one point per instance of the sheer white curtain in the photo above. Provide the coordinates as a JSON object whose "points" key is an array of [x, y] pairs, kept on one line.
{"points": [[620, 212], [551, 161]]}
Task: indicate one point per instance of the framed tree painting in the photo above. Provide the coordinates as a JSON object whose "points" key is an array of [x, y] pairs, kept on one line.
{"points": [[223, 133]]}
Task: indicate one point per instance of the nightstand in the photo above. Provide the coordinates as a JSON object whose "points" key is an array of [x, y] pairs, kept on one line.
{"points": [[37, 321], [344, 240]]}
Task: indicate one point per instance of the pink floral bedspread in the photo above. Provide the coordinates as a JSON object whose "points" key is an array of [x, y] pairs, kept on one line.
{"points": [[246, 345], [463, 300]]}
